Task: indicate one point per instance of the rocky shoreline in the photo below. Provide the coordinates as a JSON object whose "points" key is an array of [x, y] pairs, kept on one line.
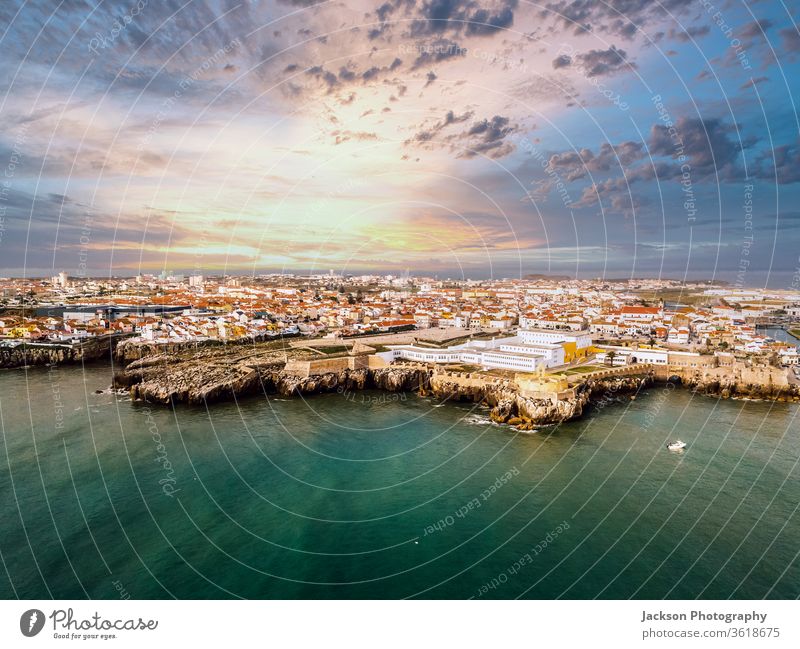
{"points": [[26, 354], [211, 376]]}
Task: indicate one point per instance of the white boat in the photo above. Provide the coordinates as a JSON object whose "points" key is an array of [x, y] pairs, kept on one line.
{"points": [[677, 445]]}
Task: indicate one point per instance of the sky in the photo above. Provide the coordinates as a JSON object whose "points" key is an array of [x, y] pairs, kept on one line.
{"points": [[479, 138]]}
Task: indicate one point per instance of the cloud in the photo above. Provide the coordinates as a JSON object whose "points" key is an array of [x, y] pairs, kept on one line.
{"points": [[782, 164], [575, 165], [753, 82], [440, 16], [437, 51], [326, 76], [355, 136], [710, 147], [710, 144], [302, 3], [790, 39], [617, 17], [450, 118], [487, 137], [614, 195], [484, 137], [562, 61], [756, 28], [482, 22], [688, 34], [600, 63]]}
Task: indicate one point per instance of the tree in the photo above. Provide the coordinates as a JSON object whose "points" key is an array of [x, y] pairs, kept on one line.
{"points": [[610, 356]]}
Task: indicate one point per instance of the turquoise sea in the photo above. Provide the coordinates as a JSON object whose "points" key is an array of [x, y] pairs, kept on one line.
{"points": [[373, 495]]}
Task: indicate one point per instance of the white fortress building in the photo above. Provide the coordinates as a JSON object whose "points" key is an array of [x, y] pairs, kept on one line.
{"points": [[528, 351]]}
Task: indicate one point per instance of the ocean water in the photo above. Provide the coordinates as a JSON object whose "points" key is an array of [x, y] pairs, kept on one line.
{"points": [[373, 495]]}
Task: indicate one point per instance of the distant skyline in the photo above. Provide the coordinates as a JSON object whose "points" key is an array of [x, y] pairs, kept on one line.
{"points": [[490, 138], [780, 281]]}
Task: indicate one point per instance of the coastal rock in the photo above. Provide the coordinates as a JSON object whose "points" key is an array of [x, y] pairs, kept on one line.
{"points": [[26, 354], [217, 374]]}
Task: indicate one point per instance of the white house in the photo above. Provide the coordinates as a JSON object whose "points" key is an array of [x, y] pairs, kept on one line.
{"points": [[789, 357]]}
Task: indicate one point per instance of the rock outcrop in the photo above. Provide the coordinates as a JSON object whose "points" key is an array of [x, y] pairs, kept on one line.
{"points": [[208, 375], [162, 379], [526, 413], [24, 354], [739, 381], [136, 349]]}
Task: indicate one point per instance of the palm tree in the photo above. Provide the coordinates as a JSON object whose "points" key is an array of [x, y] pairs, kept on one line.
{"points": [[610, 356]]}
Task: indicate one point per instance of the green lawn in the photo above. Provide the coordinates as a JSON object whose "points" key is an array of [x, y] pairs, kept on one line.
{"points": [[333, 349], [583, 369]]}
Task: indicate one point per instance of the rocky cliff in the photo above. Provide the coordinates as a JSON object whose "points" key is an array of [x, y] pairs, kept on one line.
{"points": [[217, 374], [526, 413], [210, 376], [24, 354], [160, 379], [128, 351], [738, 381]]}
